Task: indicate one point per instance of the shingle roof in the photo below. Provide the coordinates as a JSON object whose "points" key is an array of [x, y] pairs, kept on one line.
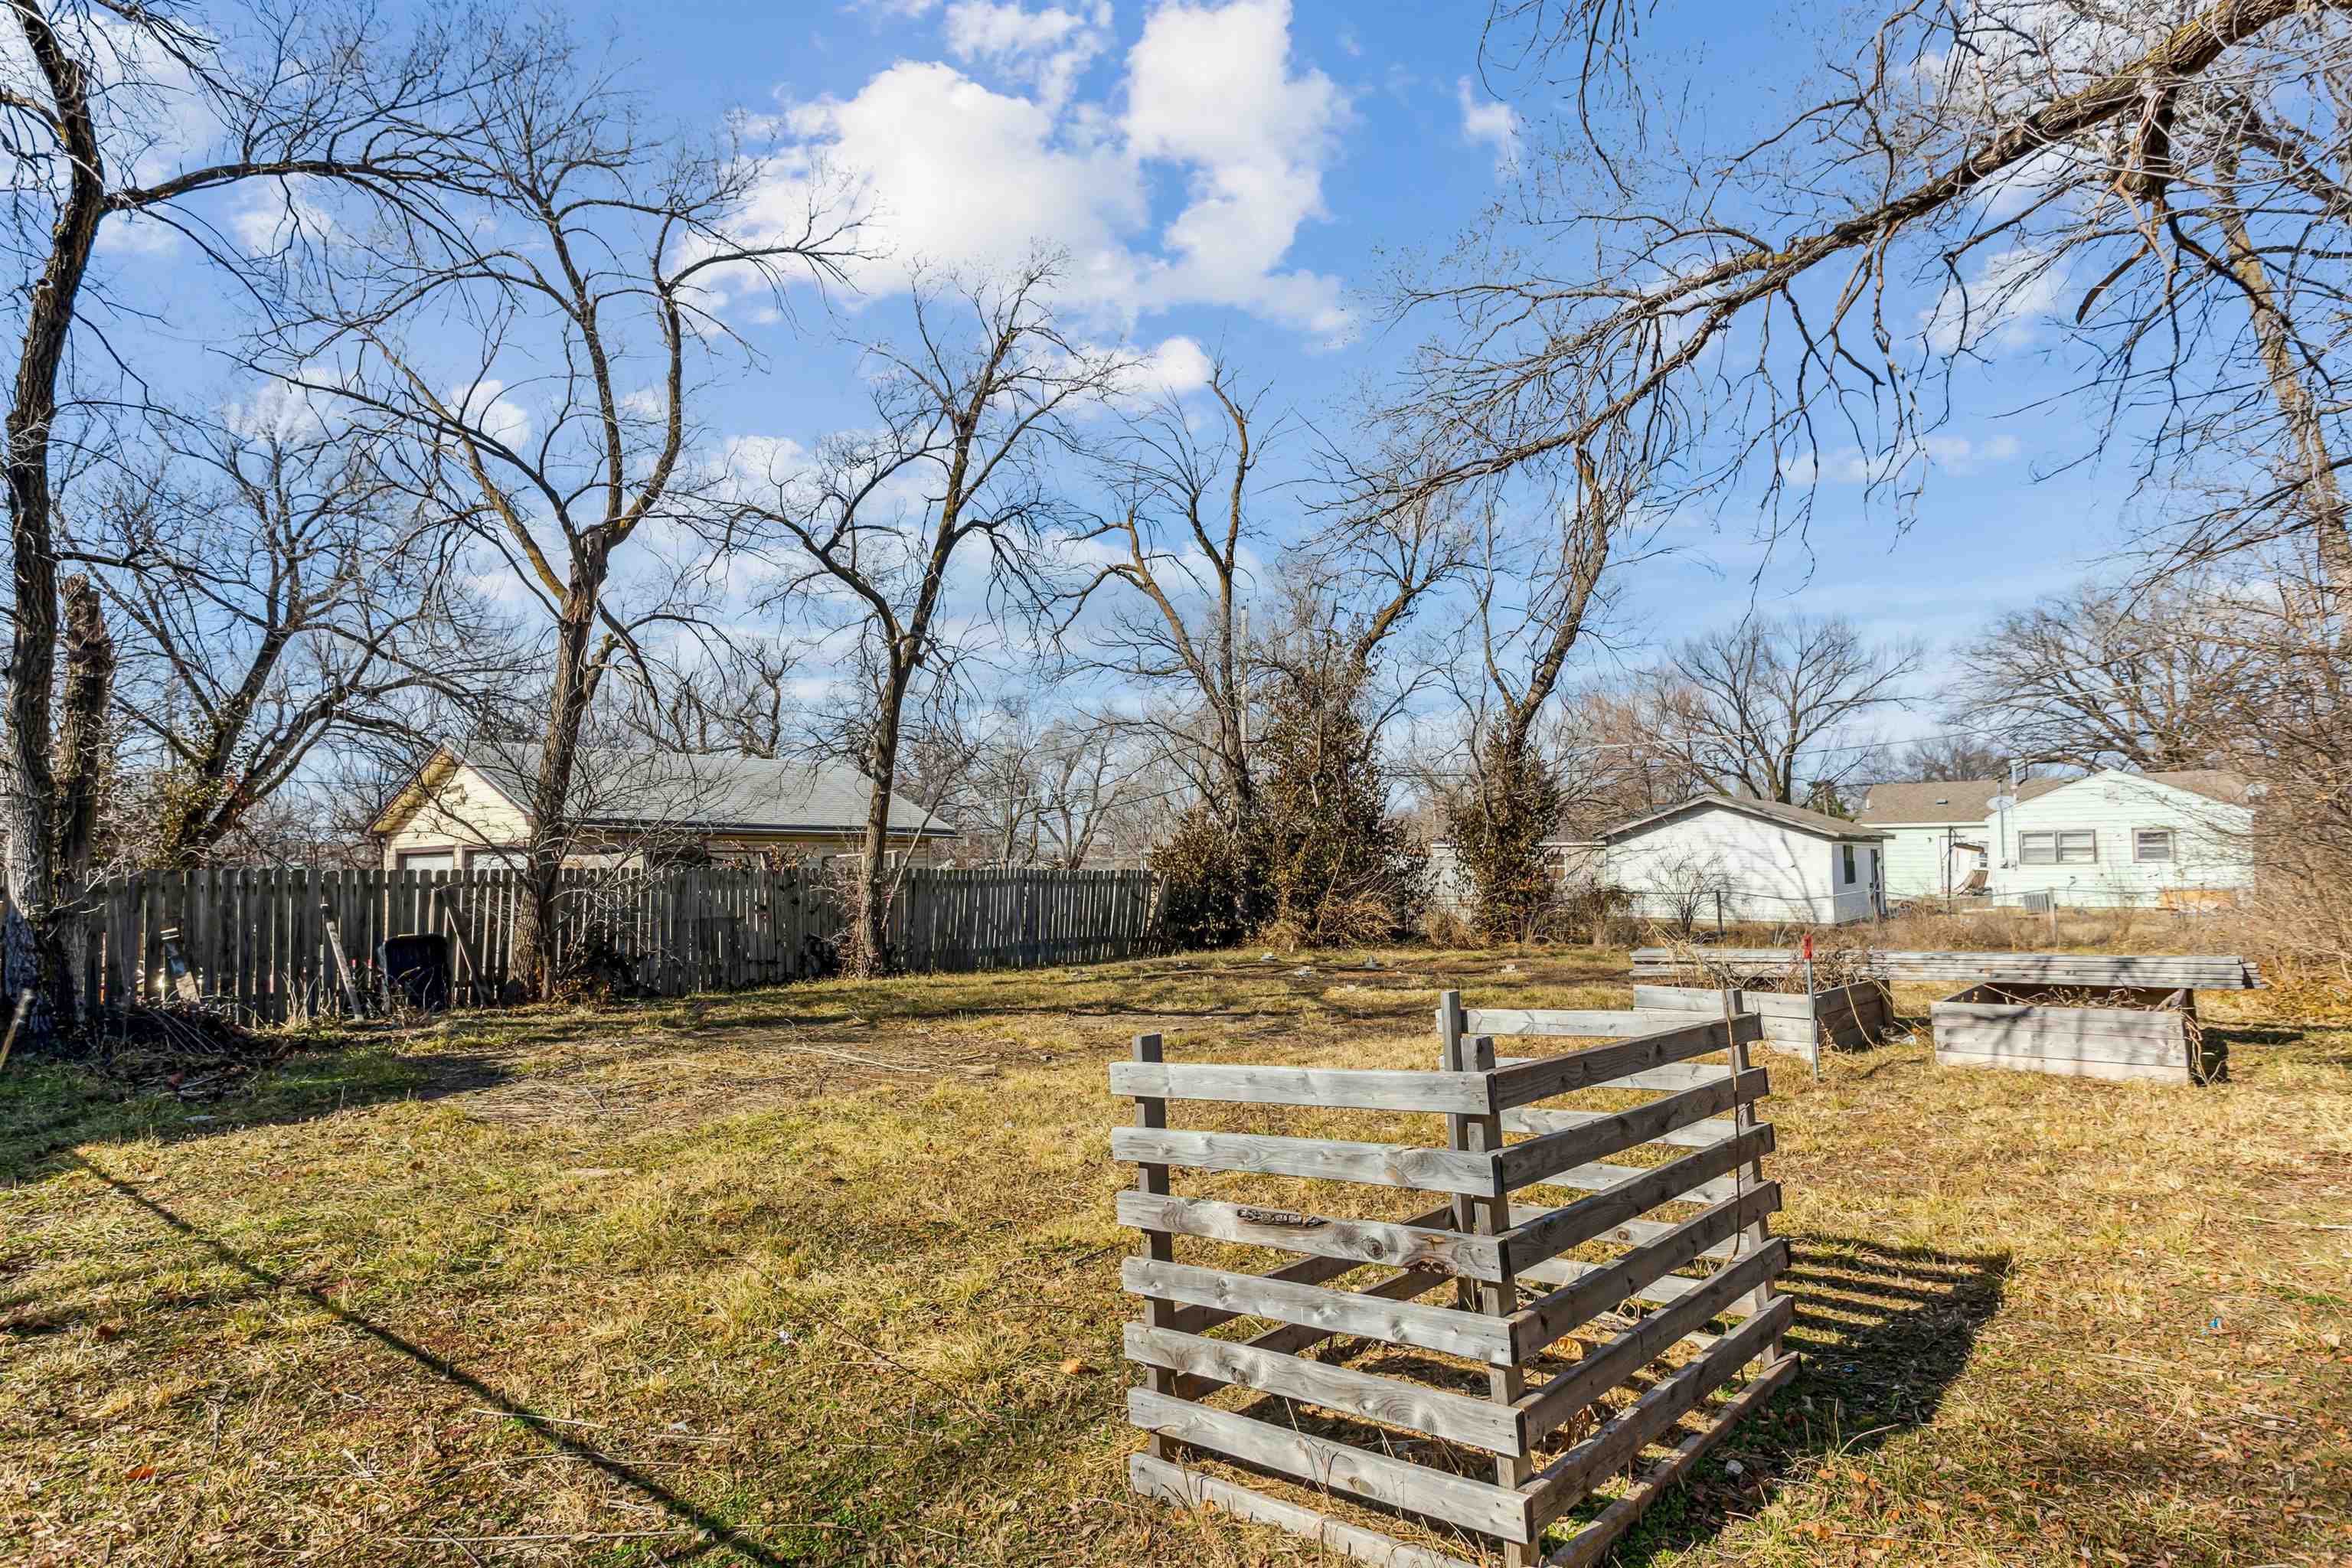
{"points": [[1970, 800], [614, 787], [1820, 824], [2213, 783], [1930, 800]]}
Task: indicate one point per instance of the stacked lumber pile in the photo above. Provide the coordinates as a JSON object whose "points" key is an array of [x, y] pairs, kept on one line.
{"points": [[2089, 970]]}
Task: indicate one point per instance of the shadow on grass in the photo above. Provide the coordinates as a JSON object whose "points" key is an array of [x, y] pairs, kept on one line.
{"points": [[717, 1531], [49, 1108], [1885, 1332]]}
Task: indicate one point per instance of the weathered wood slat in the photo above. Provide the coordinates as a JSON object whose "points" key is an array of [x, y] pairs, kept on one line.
{"points": [[1191, 1489], [1588, 1545], [1363, 1240], [1609, 1133], [1583, 1022], [1314, 1159], [1365, 1088], [1399, 1483], [1556, 1488], [1477, 1422], [1698, 1135], [1526, 1080], [1525, 1246], [1583, 1299], [2202, 971], [2111, 1072], [1312, 1270], [1397, 1323], [1611, 1363]]}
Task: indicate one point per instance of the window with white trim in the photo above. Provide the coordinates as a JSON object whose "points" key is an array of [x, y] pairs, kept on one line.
{"points": [[2062, 846], [2152, 843]]}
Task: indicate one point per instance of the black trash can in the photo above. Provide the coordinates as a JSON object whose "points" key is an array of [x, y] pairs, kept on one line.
{"points": [[416, 970]]}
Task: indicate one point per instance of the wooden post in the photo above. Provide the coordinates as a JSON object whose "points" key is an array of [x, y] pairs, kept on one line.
{"points": [[1159, 1246], [1746, 1178], [1487, 1216], [1812, 1008], [342, 965]]}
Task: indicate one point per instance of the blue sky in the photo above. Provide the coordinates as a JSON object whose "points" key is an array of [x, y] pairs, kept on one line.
{"points": [[1239, 176]]}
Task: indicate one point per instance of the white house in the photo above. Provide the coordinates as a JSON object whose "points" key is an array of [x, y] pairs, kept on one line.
{"points": [[2107, 838], [1938, 840], [1763, 860]]}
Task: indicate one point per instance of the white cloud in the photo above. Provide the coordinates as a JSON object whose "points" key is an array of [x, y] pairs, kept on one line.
{"points": [[950, 170], [1047, 49], [2004, 306], [277, 214], [483, 404], [1491, 123], [1178, 367]]}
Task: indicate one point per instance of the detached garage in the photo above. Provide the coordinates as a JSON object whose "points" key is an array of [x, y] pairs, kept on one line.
{"points": [[1758, 859]]}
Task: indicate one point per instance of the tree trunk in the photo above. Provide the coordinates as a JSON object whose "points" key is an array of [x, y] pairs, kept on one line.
{"points": [[34, 954], [81, 733], [872, 957], [535, 919], [2311, 466]]}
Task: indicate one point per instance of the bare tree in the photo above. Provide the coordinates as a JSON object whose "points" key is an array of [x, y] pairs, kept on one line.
{"points": [[278, 594], [2104, 675], [1182, 518], [110, 114], [1952, 757], [593, 255], [1748, 301], [1776, 708], [953, 467]]}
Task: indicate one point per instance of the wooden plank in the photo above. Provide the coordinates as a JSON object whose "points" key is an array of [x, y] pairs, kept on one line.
{"points": [[1589, 1023], [1363, 1240], [1608, 1363], [1526, 1081], [1396, 1323], [1396, 1482], [1563, 1482], [1697, 1135], [1368, 1088], [1313, 1159], [1476, 1422], [1313, 1270], [1588, 1545], [1978, 1040], [1609, 1133], [1191, 1488], [1527, 1245], [2111, 1072]]}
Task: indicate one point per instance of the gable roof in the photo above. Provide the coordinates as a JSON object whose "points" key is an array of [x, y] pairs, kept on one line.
{"points": [[1820, 824], [612, 788], [1930, 800]]}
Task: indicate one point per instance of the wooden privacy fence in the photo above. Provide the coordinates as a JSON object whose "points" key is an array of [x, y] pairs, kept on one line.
{"points": [[1510, 1437], [256, 939]]}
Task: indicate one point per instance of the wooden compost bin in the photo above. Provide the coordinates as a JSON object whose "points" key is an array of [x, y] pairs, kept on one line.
{"points": [[2033, 1027], [1848, 1017], [1496, 1443]]}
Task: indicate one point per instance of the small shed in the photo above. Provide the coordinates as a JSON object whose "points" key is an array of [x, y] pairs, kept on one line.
{"points": [[1747, 860]]}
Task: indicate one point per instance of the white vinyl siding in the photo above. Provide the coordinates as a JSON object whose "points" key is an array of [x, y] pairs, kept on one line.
{"points": [[2111, 811], [1764, 870]]}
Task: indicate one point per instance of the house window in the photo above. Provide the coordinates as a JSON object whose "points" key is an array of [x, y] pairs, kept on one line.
{"points": [[429, 860], [2152, 843], [1847, 855], [2071, 847]]}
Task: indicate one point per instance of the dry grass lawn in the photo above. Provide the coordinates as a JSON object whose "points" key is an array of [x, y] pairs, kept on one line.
{"points": [[829, 1275]]}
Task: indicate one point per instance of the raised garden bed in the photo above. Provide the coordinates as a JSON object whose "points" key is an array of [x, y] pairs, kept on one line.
{"points": [[1841, 1016], [2125, 1034]]}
